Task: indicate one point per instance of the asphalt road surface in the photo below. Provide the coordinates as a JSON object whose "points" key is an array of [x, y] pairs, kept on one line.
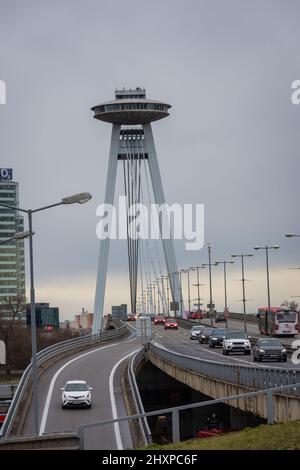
{"points": [[179, 341], [101, 368]]}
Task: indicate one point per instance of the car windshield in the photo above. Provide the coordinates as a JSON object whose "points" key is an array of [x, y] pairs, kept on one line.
{"points": [[76, 387], [207, 331], [270, 342], [236, 335], [286, 317], [219, 332]]}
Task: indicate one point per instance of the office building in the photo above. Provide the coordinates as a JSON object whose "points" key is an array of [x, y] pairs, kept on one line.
{"points": [[46, 316], [119, 312], [12, 265]]}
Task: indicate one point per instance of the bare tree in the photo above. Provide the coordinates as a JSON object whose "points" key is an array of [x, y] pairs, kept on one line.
{"points": [[11, 310], [292, 304]]}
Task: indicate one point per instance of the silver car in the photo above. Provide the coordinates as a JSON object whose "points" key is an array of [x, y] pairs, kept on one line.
{"points": [[76, 393], [195, 331]]}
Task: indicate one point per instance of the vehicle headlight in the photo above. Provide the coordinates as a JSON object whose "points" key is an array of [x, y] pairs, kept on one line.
{"points": [[283, 350], [65, 396], [262, 351], [229, 343]]}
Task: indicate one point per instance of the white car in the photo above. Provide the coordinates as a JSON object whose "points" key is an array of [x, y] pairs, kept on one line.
{"points": [[76, 393], [236, 341]]}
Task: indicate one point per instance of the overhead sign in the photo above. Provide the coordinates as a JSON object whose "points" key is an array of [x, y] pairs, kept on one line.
{"points": [[6, 174], [143, 328], [174, 306]]}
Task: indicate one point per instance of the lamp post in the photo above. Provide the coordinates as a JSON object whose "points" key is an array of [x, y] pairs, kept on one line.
{"points": [[267, 248], [162, 291], [210, 264], [242, 256], [225, 286], [166, 278], [182, 271], [17, 236], [80, 198], [291, 235], [187, 270], [198, 283], [154, 297]]}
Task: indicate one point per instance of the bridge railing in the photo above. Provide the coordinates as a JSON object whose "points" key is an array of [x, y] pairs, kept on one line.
{"points": [[175, 411], [134, 363], [45, 355], [255, 377]]}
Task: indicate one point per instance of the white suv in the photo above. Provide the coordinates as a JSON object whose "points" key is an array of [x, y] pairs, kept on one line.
{"points": [[76, 393], [236, 341]]}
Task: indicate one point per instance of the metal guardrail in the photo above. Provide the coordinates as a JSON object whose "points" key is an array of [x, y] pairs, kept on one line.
{"points": [[176, 410], [257, 377], [137, 397], [45, 355]]}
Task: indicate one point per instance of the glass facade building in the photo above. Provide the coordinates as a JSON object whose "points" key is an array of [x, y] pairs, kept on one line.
{"points": [[12, 265], [45, 315]]}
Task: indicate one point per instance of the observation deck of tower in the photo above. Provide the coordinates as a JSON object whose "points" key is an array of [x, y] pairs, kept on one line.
{"points": [[131, 108]]}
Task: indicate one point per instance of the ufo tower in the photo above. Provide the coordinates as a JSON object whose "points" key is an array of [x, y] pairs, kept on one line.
{"points": [[132, 144]]}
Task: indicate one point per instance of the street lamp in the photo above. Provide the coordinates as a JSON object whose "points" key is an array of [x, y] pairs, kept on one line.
{"points": [[198, 282], [80, 198], [225, 286], [17, 236], [154, 297], [209, 264], [172, 275], [168, 294], [187, 270], [242, 256], [267, 248]]}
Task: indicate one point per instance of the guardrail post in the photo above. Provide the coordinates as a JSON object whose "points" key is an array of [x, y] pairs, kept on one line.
{"points": [[270, 408], [80, 434], [175, 427]]}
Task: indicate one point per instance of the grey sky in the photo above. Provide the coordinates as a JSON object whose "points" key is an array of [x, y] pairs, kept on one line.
{"points": [[231, 141]]}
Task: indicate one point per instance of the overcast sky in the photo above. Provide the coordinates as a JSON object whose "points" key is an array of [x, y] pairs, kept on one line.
{"points": [[231, 141]]}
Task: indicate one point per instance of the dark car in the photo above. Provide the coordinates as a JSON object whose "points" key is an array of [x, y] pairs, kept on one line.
{"points": [[216, 338], [220, 317], [269, 349], [159, 320], [204, 335], [131, 317]]}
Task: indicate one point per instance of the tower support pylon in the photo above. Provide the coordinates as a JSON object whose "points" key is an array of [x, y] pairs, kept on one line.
{"points": [[128, 143]]}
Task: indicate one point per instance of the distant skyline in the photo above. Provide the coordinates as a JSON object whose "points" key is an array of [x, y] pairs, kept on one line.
{"points": [[231, 141]]}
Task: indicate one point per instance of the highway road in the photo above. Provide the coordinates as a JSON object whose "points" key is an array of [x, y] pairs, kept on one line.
{"points": [[101, 368], [179, 341]]}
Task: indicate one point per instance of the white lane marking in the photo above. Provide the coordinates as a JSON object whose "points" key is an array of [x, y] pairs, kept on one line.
{"points": [[53, 380], [113, 400]]}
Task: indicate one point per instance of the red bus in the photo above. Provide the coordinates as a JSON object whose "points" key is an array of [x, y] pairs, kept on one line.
{"points": [[277, 321]]}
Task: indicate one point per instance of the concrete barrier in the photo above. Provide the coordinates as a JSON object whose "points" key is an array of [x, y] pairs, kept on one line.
{"points": [[59, 441]]}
